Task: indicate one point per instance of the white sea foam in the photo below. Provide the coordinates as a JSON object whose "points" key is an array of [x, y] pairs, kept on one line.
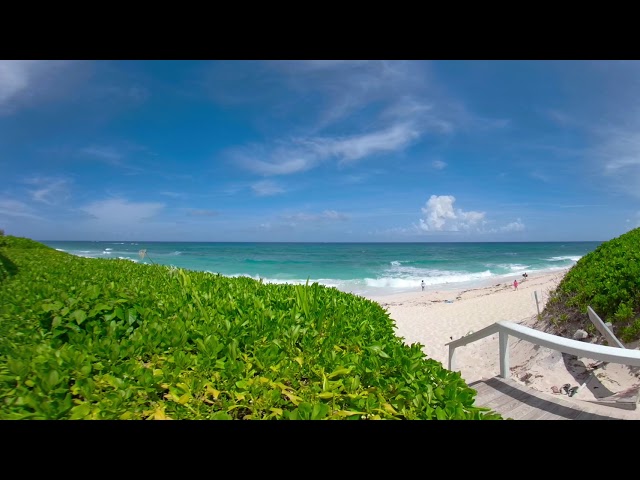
{"points": [[382, 285], [561, 259], [513, 267]]}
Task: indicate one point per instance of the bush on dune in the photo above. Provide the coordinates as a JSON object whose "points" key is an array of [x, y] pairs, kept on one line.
{"points": [[608, 280], [111, 339]]}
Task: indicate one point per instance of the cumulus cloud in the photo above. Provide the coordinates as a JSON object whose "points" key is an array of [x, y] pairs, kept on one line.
{"points": [[440, 215], [266, 188], [121, 212], [516, 226]]}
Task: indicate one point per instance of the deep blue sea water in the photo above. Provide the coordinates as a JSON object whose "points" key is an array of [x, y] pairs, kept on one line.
{"points": [[367, 269]]}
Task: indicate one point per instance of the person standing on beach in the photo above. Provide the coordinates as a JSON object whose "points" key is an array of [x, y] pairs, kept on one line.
{"points": [[515, 284], [423, 285]]}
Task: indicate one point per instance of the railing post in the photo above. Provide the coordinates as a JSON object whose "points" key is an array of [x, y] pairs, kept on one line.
{"points": [[452, 360], [504, 354]]}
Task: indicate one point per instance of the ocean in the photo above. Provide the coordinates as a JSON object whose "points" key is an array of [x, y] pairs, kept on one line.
{"points": [[367, 269]]}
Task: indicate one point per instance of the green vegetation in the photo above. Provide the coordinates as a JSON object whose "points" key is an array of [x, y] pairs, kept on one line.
{"points": [[608, 280], [111, 339]]}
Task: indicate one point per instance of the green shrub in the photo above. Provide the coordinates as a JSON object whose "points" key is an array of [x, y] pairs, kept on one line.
{"points": [[608, 280], [111, 339]]}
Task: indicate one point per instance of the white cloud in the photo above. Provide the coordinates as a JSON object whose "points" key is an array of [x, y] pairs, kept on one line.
{"points": [[356, 147], [618, 157], [540, 176], [308, 217], [50, 191], [114, 156], [119, 212], [266, 188], [280, 161], [402, 100], [26, 80], [108, 154], [173, 194], [349, 86], [302, 154], [438, 164], [516, 226], [203, 213], [15, 208], [439, 215]]}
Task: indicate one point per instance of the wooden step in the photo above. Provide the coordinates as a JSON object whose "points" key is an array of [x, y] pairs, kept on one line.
{"points": [[515, 401]]}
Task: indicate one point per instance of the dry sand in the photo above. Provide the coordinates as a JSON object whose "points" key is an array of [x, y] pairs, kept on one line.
{"points": [[434, 318]]}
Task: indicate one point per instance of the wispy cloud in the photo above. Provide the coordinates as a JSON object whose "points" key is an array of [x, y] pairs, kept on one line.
{"points": [[266, 188], [120, 212], [581, 205], [327, 215], [51, 191], [388, 106], [620, 158], [540, 176], [114, 156], [107, 154], [203, 213], [562, 119], [438, 164], [302, 154], [15, 208], [174, 194], [24, 82], [440, 215]]}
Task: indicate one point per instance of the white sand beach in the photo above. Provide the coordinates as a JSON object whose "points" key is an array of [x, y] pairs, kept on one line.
{"points": [[434, 318]]}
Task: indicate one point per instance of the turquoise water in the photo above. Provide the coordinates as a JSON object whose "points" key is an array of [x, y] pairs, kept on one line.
{"points": [[362, 268]]}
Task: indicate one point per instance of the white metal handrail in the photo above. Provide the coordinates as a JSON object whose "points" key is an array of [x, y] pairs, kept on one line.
{"points": [[505, 329]]}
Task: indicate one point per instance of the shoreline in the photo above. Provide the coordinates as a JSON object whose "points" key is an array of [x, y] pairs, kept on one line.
{"points": [[434, 318]]}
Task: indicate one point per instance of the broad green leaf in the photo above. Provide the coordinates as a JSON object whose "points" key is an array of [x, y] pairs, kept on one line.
{"points": [[79, 316], [80, 411]]}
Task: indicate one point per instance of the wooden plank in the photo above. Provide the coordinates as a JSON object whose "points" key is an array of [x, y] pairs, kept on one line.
{"points": [[508, 399], [530, 408], [486, 392], [512, 400]]}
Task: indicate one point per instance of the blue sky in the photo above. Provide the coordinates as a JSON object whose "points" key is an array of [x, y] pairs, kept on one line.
{"points": [[345, 151]]}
